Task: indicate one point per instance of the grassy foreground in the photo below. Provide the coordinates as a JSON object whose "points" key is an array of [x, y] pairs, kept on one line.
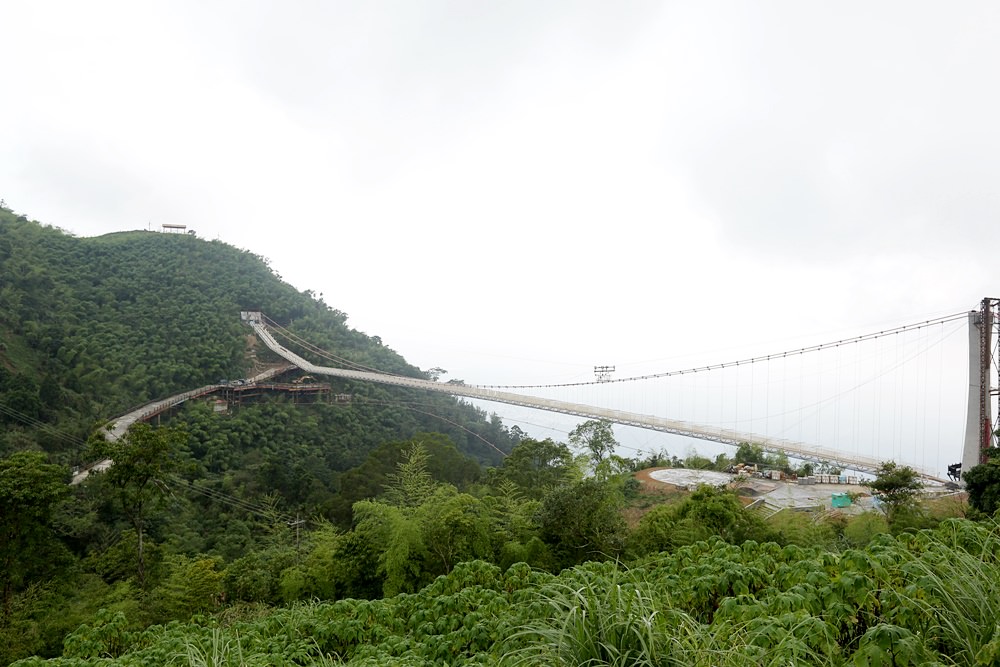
{"points": [[926, 598]]}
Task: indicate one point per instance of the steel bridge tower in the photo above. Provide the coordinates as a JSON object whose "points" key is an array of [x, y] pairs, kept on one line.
{"points": [[984, 355]]}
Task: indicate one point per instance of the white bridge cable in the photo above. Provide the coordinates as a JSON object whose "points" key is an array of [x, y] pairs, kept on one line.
{"points": [[869, 380], [298, 340], [314, 349], [812, 410], [798, 450], [740, 362]]}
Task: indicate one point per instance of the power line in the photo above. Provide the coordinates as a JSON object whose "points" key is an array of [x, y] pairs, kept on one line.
{"points": [[437, 416], [232, 501], [40, 425]]}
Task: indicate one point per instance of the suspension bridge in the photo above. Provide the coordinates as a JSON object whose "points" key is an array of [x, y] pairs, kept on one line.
{"points": [[855, 445]]}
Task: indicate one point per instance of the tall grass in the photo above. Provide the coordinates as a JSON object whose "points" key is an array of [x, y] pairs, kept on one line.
{"points": [[596, 623], [955, 588], [220, 650], [619, 621]]}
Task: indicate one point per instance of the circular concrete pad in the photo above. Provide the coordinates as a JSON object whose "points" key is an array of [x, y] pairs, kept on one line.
{"points": [[685, 477]]}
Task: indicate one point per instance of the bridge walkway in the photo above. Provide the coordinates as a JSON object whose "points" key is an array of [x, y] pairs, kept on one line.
{"points": [[794, 449], [119, 426]]}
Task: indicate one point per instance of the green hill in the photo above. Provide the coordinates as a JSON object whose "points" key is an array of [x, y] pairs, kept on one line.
{"points": [[91, 327], [364, 531]]}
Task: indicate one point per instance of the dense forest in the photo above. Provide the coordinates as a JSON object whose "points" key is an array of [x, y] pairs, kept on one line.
{"points": [[389, 528], [92, 327]]}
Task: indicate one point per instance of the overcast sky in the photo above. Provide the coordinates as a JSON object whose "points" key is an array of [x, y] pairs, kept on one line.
{"points": [[517, 191]]}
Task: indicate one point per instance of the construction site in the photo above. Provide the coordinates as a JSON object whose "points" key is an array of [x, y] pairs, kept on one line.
{"points": [[775, 493]]}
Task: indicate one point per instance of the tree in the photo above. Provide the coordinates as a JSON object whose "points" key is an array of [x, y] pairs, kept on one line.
{"points": [[982, 482], [513, 528], [722, 462], [896, 487], [454, 527], [583, 521], [30, 488], [193, 585], [435, 373], [697, 462], [19, 396], [594, 436], [142, 458], [331, 566], [749, 453], [370, 479], [421, 528], [537, 467], [411, 484], [706, 512], [255, 576], [395, 536], [391, 526]]}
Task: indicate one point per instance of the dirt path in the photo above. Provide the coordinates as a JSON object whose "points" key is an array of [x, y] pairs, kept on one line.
{"points": [[650, 485]]}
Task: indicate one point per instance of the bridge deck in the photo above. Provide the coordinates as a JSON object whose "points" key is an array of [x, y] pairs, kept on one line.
{"points": [[794, 449], [118, 427]]}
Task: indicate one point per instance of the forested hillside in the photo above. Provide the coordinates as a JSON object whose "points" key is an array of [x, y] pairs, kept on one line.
{"points": [[367, 530], [93, 326]]}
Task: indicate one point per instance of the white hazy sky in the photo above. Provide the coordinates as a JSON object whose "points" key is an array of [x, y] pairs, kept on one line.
{"points": [[517, 191]]}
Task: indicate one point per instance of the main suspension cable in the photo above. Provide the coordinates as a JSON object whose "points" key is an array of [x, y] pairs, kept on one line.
{"points": [[740, 362], [352, 365]]}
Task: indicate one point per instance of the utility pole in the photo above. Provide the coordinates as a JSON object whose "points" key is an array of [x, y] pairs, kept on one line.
{"points": [[298, 522]]}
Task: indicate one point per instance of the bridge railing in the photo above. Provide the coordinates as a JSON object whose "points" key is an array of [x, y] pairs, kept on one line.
{"points": [[797, 450], [118, 427]]}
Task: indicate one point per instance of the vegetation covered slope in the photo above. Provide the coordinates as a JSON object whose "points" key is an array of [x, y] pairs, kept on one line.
{"points": [[929, 598], [93, 326], [359, 532]]}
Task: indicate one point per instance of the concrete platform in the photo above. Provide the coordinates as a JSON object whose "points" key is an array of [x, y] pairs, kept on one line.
{"points": [[776, 494]]}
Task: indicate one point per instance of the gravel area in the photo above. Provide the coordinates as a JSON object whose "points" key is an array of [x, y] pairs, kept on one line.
{"points": [[774, 493]]}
